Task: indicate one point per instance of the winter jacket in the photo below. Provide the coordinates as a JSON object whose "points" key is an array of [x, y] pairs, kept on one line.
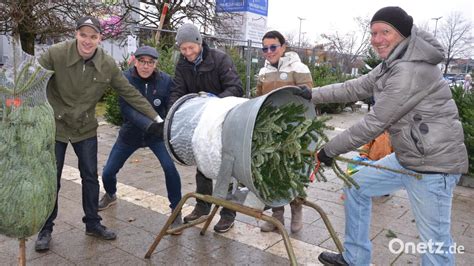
{"points": [[290, 71], [156, 90], [412, 101], [215, 74], [77, 85]]}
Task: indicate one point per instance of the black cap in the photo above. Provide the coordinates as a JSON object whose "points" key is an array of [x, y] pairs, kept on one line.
{"points": [[395, 17], [89, 21], [146, 50]]}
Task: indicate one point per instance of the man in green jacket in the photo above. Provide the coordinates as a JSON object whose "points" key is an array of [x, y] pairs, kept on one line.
{"points": [[83, 71]]}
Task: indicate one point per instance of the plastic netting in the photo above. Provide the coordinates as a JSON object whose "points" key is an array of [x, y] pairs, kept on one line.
{"points": [[27, 138]]}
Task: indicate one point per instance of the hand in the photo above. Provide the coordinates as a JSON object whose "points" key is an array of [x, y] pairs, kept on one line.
{"points": [[304, 92], [158, 119], [156, 129], [322, 157]]}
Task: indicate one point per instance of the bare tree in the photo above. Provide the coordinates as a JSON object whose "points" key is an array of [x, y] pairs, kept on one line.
{"points": [[349, 47], [201, 12], [455, 36], [34, 20]]}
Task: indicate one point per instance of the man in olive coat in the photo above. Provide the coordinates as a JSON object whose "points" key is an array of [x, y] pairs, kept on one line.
{"points": [[83, 71]]}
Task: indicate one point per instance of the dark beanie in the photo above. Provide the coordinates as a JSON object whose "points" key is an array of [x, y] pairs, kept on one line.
{"points": [[395, 17]]}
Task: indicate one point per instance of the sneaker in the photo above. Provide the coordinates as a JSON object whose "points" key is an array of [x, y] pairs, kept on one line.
{"points": [[194, 215], [176, 223], [42, 243], [224, 225], [329, 258], [101, 232], [107, 201]]}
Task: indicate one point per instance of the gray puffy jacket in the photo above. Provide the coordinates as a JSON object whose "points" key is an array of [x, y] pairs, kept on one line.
{"points": [[412, 101]]}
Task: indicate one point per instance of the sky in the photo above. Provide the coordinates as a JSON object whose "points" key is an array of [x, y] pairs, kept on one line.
{"points": [[328, 16]]}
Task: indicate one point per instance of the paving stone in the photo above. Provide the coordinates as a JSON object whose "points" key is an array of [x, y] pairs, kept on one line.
{"points": [[76, 246], [51, 259]]}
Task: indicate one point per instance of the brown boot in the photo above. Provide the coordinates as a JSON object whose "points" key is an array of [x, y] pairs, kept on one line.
{"points": [[278, 214], [296, 216]]}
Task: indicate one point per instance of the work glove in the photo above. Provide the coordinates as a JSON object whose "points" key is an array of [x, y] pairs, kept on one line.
{"points": [[322, 157], [156, 129], [304, 91]]}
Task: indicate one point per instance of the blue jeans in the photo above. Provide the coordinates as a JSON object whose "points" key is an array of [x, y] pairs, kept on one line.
{"points": [[430, 199], [122, 151], [86, 152]]}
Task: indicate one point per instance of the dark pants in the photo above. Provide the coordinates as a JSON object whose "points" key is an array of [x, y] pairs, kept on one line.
{"points": [[86, 152], [204, 186], [122, 151]]}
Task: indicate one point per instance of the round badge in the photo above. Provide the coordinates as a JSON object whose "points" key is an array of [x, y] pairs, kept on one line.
{"points": [[283, 76], [157, 102]]}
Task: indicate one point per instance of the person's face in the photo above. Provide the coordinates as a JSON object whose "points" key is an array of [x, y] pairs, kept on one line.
{"points": [[87, 41], [384, 38], [145, 66], [190, 50], [273, 50]]}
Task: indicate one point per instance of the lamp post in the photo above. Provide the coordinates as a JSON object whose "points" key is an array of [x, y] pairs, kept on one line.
{"points": [[299, 34], [436, 24]]}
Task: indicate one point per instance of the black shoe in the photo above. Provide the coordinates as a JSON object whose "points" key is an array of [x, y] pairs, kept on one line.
{"points": [[329, 258], [42, 243], [102, 232], [194, 215], [224, 225]]}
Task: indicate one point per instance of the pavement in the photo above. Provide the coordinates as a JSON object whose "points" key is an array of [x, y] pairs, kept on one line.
{"points": [[142, 210]]}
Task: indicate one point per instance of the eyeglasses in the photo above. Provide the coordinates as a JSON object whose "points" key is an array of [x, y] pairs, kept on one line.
{"points": [[272, 48], [145, 62]]}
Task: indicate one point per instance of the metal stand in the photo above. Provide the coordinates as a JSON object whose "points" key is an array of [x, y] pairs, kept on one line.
{"points": [[258, 214]]}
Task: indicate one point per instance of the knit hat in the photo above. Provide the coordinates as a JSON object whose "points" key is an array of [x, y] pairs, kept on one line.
{"points": [[395, 17], [88, 21], [146, 50], [188, 33]]}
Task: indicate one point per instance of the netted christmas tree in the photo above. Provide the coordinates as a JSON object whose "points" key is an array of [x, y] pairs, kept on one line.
{"points": [[27, 161]]}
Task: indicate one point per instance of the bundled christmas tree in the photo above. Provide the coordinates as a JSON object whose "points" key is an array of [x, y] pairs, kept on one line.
{"points": [[27, 162]]}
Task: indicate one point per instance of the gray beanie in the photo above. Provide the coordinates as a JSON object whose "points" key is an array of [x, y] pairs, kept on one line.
{"points": [[188, 33]]}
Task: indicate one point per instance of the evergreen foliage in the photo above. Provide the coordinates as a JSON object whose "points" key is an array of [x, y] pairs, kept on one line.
{"points": [[465, 103]]}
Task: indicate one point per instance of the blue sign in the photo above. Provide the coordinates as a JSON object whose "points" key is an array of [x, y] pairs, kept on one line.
{"points": [[254, 6]]}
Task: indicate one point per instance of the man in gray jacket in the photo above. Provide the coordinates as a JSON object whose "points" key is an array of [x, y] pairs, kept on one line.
{"points": [[414, 103]]}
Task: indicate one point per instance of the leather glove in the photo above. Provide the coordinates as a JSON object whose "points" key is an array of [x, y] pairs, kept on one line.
{"points": [[322, 157], [304, 92], [156, 129]]}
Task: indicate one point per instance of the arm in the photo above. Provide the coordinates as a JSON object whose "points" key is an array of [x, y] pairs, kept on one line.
{"points": [[349, 91], [136, 118], [230, 80], [46, 61], [130, 94]]}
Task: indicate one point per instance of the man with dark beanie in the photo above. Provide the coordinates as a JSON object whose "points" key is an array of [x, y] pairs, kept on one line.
{"points": [[414, 104], [201, 68]]}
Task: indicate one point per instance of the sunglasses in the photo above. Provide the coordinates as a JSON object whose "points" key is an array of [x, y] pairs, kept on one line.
{"points": [[272, 48]]}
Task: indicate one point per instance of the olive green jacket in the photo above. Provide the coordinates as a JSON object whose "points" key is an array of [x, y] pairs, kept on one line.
{"points": [[76, 87]]}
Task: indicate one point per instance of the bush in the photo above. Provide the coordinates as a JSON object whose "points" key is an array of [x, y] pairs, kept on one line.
{"points": [[112, 109], [465, 103]]}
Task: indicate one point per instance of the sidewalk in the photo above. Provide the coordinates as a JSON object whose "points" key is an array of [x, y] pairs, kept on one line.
{"points": [[143, 209]]}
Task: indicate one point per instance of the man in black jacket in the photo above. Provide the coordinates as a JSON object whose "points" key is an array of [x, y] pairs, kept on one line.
{"points": [[201, 68]]}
